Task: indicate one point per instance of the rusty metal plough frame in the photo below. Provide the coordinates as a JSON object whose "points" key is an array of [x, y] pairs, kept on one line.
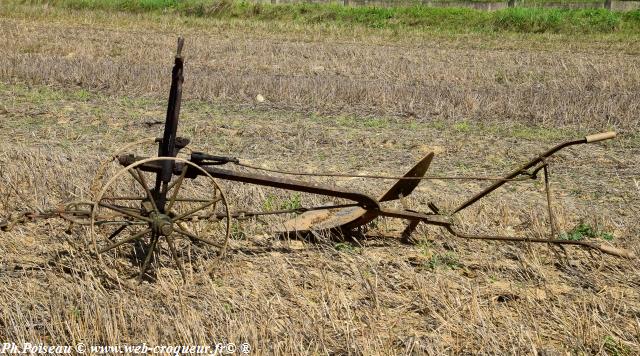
{"points": [[161, 222]]}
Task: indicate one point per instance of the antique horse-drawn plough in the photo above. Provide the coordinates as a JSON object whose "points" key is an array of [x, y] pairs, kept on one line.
{"points": [[154, 200]]}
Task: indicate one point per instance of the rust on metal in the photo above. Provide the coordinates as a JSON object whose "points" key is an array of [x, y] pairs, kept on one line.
{"points": [[353, 217]]}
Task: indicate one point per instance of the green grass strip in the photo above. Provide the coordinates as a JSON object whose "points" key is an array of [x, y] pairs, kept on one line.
{"points": [[522, 20]]}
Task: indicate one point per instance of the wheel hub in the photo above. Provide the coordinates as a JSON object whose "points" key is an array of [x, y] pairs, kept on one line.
{"points": [[161, 225]]}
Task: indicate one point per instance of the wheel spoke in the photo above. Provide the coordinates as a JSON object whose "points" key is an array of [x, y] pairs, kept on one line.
{"points": [[191, 212], [124, 207], [143, 182], [135, 177], [192, 200], [196, 237], [125, 212], [123, 198], [183, 173], [147, 259], [120, 222], [174, 254], [117, 232], [128, 239], [178, 184], [188, 200]]}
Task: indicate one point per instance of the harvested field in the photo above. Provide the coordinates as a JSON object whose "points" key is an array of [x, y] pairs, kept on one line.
{"points": [[593, 89], [71, 94]]}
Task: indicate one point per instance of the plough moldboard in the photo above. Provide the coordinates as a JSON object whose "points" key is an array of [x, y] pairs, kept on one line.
{"points": [[158, 200]]}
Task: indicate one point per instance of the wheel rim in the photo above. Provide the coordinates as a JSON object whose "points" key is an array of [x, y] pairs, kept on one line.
{"points": [[128, 216], [96, 182]]}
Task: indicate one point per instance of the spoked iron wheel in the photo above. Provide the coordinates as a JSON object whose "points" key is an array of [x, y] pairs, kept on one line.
{"points": [[190, 225]]}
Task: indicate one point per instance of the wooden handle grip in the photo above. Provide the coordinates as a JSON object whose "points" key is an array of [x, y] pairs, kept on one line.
{"points": [[600, 136], [617, 251]]}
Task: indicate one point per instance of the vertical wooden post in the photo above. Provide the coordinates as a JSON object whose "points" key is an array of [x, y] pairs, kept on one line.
{"points": [[345, 2], [607, 4], [511, 3]]}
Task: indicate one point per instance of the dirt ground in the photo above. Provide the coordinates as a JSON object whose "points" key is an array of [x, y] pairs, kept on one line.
{"points": [[71, 94]]}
